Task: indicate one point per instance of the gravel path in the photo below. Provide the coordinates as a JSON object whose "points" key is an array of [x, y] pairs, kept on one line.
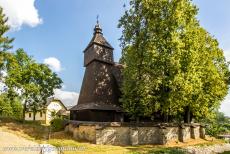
{"points": [[8, 141], [13, 144], [219, 148]]}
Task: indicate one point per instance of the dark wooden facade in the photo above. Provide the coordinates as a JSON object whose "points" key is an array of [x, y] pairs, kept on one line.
{"points": [[99, 95]]}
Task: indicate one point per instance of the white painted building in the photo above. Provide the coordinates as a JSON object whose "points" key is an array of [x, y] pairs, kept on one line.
{"points": [[45, 115]]}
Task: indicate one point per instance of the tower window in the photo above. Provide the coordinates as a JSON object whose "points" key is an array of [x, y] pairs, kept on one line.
{"points": [[29, 115], [40, 114]]}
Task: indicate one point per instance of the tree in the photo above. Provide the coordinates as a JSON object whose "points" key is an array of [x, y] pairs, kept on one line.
{"points": [[5, 42], [5, 107], [217, 124], [10, 108], [25, 79], [31, 81], [172, 65], [17, 108]]}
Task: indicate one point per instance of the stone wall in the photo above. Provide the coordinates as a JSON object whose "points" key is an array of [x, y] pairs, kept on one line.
{"points": [[113, 135], [132, 134], [148, 135]]}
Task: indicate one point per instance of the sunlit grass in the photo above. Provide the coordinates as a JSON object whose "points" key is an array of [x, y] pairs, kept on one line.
{"points": [[39, 133]]}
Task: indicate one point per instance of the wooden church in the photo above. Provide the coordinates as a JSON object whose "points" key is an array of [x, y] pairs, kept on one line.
{"points": [[99, 95]]}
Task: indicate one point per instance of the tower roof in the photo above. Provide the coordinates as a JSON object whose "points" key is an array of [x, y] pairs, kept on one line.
{"points": [[98, 38]]}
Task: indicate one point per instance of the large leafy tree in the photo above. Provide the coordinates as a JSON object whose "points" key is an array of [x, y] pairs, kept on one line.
{"points": [[23, 77], [32, 81], [8, 107], [172, 65]]}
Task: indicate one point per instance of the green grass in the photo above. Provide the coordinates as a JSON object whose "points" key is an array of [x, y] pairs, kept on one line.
{"points": [[30, 130], [39, 133], [227, 152], [167, 151]]}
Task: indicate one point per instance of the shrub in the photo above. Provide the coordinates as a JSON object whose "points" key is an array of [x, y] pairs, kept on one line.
{"points": [[5, 107], [57, 124], [219, 124], [10, 108]]}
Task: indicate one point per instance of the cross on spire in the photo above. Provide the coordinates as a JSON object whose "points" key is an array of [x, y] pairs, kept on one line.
{"points": [[97, 29], [97, 19]]}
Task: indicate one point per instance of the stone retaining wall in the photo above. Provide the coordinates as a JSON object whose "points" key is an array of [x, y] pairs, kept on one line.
{"points": [[133, 134]]}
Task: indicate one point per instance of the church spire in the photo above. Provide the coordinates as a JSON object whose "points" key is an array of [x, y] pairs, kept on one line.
{"points": [[97, 29], [98, 38]]}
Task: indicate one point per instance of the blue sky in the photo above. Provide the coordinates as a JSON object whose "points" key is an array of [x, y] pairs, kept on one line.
{"points": [[62, 29]]}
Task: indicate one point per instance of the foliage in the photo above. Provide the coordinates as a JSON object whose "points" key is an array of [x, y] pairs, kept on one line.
{"points": [[57, 124], [25, 78], [5, 107], [218, 124], [32, 81], [5, 42], [172, 65], [39, 133], [10, 108], [17, 108]]}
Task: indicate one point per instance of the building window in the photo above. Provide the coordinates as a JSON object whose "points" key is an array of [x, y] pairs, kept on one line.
{"points": [[40, 114], [29, 115]]}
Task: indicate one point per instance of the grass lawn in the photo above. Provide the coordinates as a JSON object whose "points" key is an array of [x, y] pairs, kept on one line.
{"points": [[39, 133]]}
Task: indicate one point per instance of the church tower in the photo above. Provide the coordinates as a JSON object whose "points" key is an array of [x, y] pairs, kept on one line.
{"points": [[99, 95]]}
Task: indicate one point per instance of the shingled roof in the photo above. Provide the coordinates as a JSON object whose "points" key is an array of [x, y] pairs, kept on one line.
{"points": [[97, 106], [48, 101], [98, 38]]}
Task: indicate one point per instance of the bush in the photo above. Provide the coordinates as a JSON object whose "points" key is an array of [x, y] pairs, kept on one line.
{"points": [[57, 124], [17, 108], [10, 108], [5, 106], [219, 124]]}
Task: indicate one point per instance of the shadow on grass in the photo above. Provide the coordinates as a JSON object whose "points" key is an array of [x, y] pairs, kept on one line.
{"points": [[167, 151], [227, 152], [155, 150]]}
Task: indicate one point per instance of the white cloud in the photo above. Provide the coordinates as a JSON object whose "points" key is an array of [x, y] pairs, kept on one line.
{"points": [[20, 12], [67, 97], [53, 63]]}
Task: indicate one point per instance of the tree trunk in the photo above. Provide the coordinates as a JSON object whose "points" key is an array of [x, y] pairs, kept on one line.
{"points": [[137, 119], [165, 117], [34, 113], [24, 112], [187, 115]]}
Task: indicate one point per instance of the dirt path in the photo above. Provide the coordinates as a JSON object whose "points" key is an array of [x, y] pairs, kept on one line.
{"points": [[8, 141]]}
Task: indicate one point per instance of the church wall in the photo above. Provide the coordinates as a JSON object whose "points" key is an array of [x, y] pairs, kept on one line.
{"points": [[99, 53], [98, 84]]}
